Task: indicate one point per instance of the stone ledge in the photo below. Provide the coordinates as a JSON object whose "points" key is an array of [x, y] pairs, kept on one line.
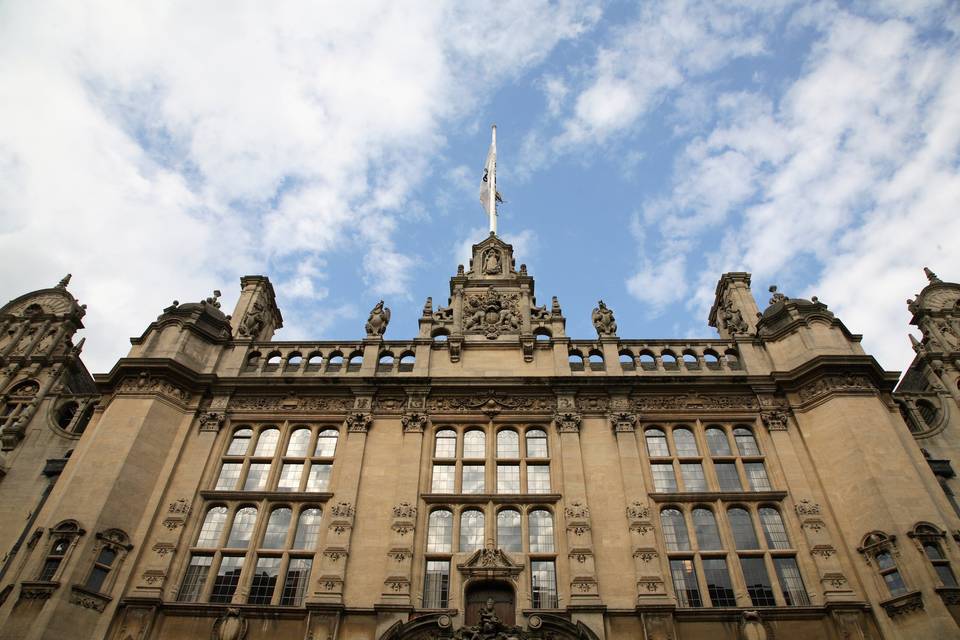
{"points": [[906, 603]]}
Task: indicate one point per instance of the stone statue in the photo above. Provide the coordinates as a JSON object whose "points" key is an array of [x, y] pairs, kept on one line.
{"points": [[732, 318], [378, 321], [491, 263], [489, 621], [253, 322], [777, 296], [603, 320]]}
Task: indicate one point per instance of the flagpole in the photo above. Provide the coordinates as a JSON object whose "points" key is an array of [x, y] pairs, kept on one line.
{"points": [[493, 184]]}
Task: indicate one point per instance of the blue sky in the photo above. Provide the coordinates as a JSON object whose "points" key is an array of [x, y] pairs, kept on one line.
{"points": [[159, 152]]}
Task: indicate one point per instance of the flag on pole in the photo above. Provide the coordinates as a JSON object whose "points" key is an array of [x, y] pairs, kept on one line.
{"points": [[488, 185]]}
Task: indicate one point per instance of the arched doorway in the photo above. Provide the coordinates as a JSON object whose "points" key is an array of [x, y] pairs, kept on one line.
{"points": [[504, 601]]}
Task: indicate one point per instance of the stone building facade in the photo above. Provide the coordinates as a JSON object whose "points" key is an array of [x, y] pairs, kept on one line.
{"points": [[489, 479]]}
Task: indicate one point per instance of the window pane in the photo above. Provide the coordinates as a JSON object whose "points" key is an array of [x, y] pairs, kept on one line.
{"points": [[538, 478], [290, 477], [106, 556], [229, 474], [195, 579], [727, 476], [718, 582], [757, 476], [446, 444], [536, 443], [945, 574], [267, 443], [791, 583], [49, 569], [275, 536], [240, 442], [257, 477], [474, 444], [212, 528], [264, 580], [885, 561], [228, 575], [705, 526], [295, 583], [96, 578], [744, 535], [895, 583], [746, 443], [436, 584], [693, 479], [508, 444], [663, 477], [508, 530], [471, 530], [508, 478], [685, 583], [319, 478], [299, 443], [243, 523], [440, 532], [773, 529], [718, 443], [656, 443], [308, 529], [327, 443], [543, 575], [685, 443], [674, 530], [932, 549], [758, 582], [442, 478], [473, 478], [541, 531]]}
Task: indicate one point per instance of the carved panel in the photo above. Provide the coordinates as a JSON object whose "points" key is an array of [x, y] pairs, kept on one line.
{"points": [[694, 402], [147, 384], [308, 404], [491, 313], [826, 385], [490, 402]]}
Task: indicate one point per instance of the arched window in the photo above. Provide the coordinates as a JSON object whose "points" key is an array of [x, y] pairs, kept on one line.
{"points": [[542, 334], [80, 425], [294, 360], [744, 535], [879, 547], [113, 545], [101, 569], [242, 529], [508, 444], [508, 530], [356, 361], [334, 362], [273, 361], [669, 360], [537, 443], [327, 443], [212, 529], [253, 360], [690, 360], [474, 444], [685, 443], [656, 443], [647, 361], [440, 532], [308, 529], [626, 360], [471, 530], [62, 539], [314, 361], [705, 526], [596, 360], [773, 529], [446, 444], [275, 537], [541, 531], [240, 442], [929, 537], [717, 442], [267, 443], [385, 362], [732, 358], [65, 414], [576, 361], [674, 530], [407, 360], [711, 359], [299, 443], [746, 443], [928, 412], [440, 335]]}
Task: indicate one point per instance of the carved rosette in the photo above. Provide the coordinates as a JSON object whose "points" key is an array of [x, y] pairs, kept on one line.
{"points": [[414, 422], [358, 422], [567, 422], [623, 422]]}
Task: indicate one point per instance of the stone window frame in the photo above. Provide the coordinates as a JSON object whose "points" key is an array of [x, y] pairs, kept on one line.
{"points": [[927, 533], [71, 532], [705, 457], [279, 457], [117, 541], [729, 552], [254, 549], [871, 546], [17, 398], [491, 461], [86, 405]]}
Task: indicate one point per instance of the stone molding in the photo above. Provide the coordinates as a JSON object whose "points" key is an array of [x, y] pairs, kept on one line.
{"points": [[902, 605], [146, 384], [623, 422], [490, 402], [358, 422]]}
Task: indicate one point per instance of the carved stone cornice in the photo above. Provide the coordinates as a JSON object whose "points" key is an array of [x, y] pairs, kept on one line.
{"points": [[692, 401], [490, 402], [567, 422], [358, 422], [292, 403], [623, 422], [490, 563]]}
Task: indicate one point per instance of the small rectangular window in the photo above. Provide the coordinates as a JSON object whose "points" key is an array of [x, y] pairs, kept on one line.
{"points": [[229, 475], [757, 476], [664, 479], [442, 478], [473, 478], [295, 582], [758, 582], [264, 581], [319, 478], [693, 478], [538, 478], [543, 575], [718, 582], [257, 477], [727, 476], [195, 578], [791, 583], [508, 478], [436, 584], [228, 576], [685, 583], [290, 477]]}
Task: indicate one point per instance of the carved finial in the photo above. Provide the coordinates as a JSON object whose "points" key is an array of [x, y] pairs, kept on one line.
{"points": [[460, 269], [777, 296], [428, 307], [65, 281], [215, 299], [555, 307], [931, 276], [523, 269]]}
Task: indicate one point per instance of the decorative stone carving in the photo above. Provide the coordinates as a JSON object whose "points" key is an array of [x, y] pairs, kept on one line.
{"points": [[577, 510], [658, 627], [638, 511], [777, 297], [807, 508], [490, 627], [377, 321], [281, 403], [212, 420], [136, 623], [87, 600], [342, 510], [694, 402], [774, 420], [490, 562], [492, 262], [567, 422], [179, 506], [492, 313], [593, 403], [603, 320], [153, 576], [623, 422], [731, 319], [147, 384], [834, 384], [163, 548], [359, 422], [254, 320], [405, 510], [901, 605], [414, 422], [489, 402], [230, 626], [753, 628]]}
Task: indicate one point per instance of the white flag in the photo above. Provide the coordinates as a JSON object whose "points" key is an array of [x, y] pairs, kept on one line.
{"points": [[489, 183]]}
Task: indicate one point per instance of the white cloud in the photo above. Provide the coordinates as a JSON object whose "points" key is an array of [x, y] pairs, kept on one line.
{"points": [[156, 150]]}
